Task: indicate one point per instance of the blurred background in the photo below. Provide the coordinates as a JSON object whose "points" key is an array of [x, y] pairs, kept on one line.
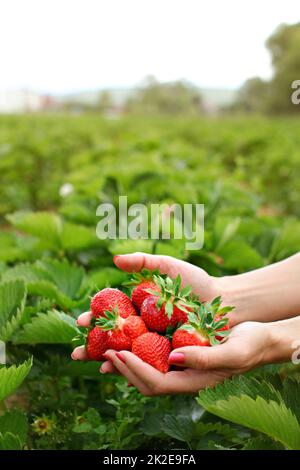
{"points": [[119, 58]]}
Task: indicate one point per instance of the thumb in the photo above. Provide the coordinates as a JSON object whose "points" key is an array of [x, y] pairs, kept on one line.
{"points": [[202, 357]]}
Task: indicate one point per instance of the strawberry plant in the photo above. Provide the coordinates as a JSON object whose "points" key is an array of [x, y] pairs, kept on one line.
{"points": [[54, 172]]}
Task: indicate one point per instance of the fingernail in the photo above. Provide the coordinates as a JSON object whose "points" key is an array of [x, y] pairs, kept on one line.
{"points": [[121, 357], [106, 356], [74, 359], [129, 385], [176, 358], [102, 371]]}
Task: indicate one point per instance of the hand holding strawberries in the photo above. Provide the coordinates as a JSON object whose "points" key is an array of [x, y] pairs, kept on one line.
{"points": [[249, 345]]}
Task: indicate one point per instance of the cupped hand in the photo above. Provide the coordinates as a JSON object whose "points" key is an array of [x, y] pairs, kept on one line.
{"points": [[248, 346], [202, 284]]}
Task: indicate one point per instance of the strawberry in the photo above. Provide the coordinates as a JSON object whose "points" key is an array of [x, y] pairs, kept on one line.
{"points": [[182, 338], [153, 349], [119, 341], [167, 307], [139, 293], [108, 299], [96, 344], [121, 331], [142, 282], [154, 317], [205, 326], [134, 326]]}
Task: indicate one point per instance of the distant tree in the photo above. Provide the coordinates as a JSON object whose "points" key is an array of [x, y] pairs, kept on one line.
{"points": [[172, 98], [284, 46], [274, 96], [252, 96]]}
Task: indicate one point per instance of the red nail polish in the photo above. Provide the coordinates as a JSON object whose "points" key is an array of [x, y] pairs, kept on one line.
{"points": [[176, 358], [106, 356], [121, 357]]}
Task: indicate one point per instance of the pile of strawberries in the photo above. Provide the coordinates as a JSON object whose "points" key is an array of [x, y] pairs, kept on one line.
{"points": [[159, 317]]}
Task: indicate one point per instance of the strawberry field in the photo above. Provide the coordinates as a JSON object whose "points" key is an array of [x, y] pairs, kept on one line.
{"points": [[54, 172]]}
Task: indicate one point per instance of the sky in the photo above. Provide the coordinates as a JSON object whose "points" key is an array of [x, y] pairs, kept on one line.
{"points": [[62, 46]]}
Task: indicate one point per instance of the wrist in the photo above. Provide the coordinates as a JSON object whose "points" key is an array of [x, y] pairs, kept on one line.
{"points": [[283, 340], [236, 295]]}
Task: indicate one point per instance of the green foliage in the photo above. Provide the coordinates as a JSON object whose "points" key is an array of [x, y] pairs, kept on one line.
{"points": [[12, 303], [48, 328], [272, 409], [12, 377], [13, 430], [54, 172]]}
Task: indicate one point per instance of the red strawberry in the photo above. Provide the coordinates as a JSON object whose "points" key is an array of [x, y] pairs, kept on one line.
{"points": [[108, 299], [121, 331], [153, 349], [164, 309], [155, 318], [139, 293], [118, 340], [182, 338], [134, 326], [204, 323], [96, 344]]}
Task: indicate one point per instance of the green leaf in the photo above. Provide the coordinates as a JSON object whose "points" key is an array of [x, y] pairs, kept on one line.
{"points": [[14, 422], [76, 237], [106, 277], [9, 441], [68, 278], [52, 327], [237, 254], [254, 404], [12, 303], [178, 427], [262, 443], [287, 241], [12, 377], [59, 281], [44, 225]]}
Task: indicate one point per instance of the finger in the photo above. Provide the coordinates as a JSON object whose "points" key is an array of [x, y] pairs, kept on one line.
{"points": [[79, 354], [154, 381], [108, 368], [150, 381], [200, 281], [191, 380], [135, 262], [117, 358], [204, 358], [84, 319]]}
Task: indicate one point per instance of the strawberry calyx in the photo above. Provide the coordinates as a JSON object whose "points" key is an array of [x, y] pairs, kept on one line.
{"points": [[80, 338], [207, 320], [143, 275], [111, 320], [170, 293]]}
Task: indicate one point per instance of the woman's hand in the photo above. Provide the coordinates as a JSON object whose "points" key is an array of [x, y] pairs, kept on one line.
{"points": [[204, 285], [249, 345]]}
